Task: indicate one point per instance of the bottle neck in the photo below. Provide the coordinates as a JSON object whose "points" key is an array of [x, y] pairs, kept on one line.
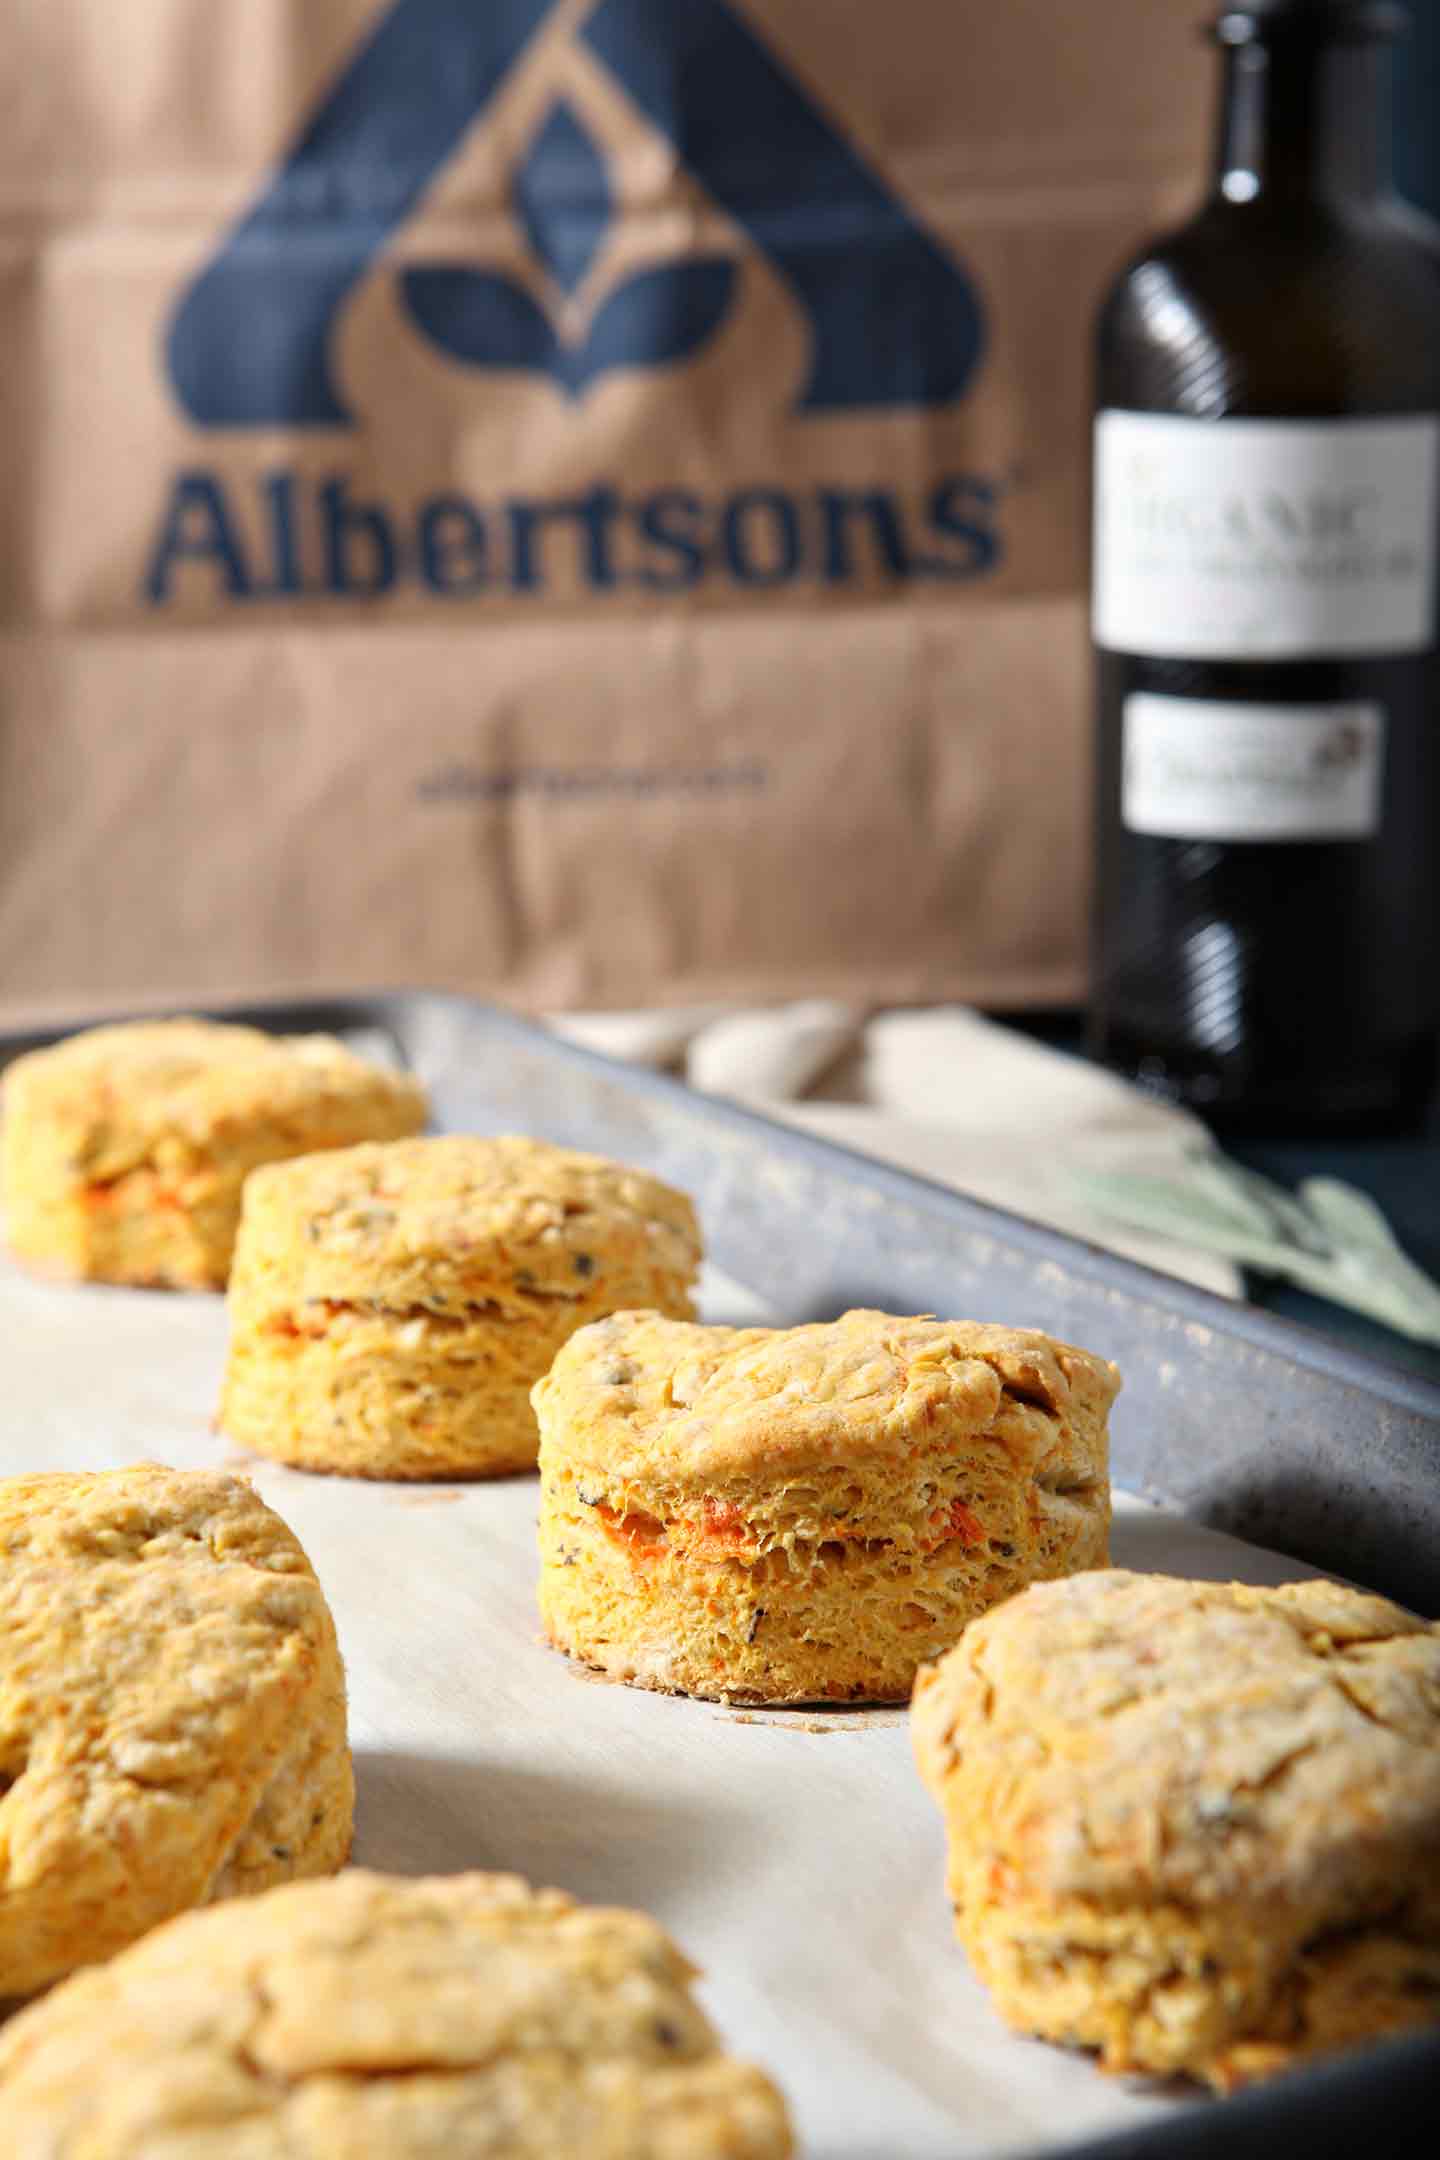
{"points": [[1305, 120]]}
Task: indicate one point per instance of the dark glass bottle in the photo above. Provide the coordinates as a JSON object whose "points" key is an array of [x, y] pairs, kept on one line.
{"points": [[1266, 520]]}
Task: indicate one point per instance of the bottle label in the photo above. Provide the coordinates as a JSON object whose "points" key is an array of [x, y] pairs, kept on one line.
{"points": [[1264, 539], [1197, 769]]}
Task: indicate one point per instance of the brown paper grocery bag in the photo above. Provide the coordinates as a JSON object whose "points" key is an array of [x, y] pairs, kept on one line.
{"points": [[580, 500]]}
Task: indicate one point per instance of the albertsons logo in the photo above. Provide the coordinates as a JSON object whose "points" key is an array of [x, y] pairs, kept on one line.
{"points": [[893, 320]]}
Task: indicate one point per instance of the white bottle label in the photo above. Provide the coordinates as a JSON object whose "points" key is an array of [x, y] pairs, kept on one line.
{"points": [[1197, 769], [1264, 539]]}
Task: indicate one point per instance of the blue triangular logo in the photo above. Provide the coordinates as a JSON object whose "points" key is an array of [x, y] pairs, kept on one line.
{"points": [[657, 316], [893, 318]]}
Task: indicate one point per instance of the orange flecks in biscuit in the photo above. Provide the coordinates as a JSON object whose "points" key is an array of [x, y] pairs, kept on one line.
{"points": [[956, 1521], [393, 1306], [724, 1521], [642, 1535], [834, 1502], [1194, 1826], [125, 1149]]}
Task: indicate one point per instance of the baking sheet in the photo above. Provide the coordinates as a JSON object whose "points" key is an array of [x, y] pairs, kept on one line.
{"points": [[794, 1854]]}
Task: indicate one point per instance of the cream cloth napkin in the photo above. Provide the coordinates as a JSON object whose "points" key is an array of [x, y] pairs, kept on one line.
{"points": [[944, 1093]]}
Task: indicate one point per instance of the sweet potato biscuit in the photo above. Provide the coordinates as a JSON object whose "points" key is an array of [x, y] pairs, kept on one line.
{"points": [[124, 1150], [1194, 1825], [391, 1307], [375, 2019], [807, 1514], [172, 1711]]}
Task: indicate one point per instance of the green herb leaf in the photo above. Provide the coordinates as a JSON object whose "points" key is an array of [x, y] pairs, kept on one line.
{"points": [[1329, 1238]]}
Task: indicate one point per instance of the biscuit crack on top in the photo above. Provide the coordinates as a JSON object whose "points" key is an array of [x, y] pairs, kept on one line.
{"points": [[1361, 1703], [378, 2015], [1171, 1837], [169, 1653]]}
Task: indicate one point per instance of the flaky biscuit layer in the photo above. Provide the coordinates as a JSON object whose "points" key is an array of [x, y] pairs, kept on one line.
{"points": [[391, 1307], [124, 1150], [461, 2015], [810, 1513], [1194, 1825], [172, 1710]]}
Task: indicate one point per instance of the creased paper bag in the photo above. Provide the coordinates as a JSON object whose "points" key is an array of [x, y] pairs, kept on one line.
{"points": [[581, 500]]}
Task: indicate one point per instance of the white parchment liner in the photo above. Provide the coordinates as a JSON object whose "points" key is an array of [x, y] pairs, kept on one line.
{"points": [[794, 1855]]}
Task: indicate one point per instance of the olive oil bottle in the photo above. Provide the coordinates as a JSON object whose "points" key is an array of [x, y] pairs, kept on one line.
{"points": [[1267, 504]]}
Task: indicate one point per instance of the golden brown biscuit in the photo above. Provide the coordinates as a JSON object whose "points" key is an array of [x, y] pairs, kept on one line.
{"points": [[124, 1150], [172, 1710], [391, 1307], [374, 2019], [1194, 1825], [807, 1514]]}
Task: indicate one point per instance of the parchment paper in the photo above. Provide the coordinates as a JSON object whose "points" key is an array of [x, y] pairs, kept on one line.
{"points": [[793, 1854]]}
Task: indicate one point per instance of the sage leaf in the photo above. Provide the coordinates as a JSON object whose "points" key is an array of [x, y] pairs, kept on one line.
{"points": [[1328, 1238]]}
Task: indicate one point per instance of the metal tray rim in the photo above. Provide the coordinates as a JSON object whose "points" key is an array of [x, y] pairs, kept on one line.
{"points": [[1303, 1345], [1336, 2106]]}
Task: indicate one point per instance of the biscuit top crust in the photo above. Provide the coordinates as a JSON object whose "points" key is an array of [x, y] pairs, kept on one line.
{"points": [[124, 1088], [637, 1395], [434, 1221], [467, 2002], [1136, 1739], [159, 1630]]}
